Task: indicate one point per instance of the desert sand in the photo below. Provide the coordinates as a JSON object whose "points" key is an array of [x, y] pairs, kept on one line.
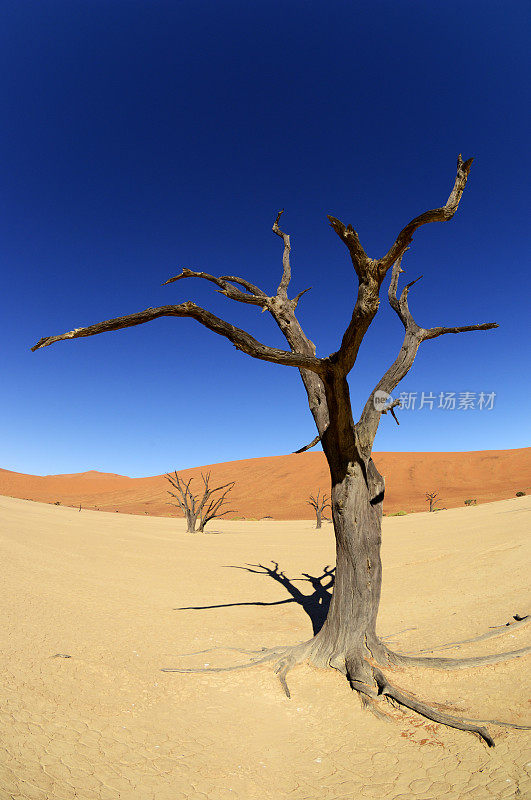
{"points": [[279, 486], [110, 591]]}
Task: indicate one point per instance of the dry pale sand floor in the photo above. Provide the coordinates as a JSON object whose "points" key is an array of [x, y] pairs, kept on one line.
{"points": [[106, 723]]}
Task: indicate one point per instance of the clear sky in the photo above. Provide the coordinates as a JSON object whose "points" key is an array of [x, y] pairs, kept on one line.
{"points": [[140, 137]]}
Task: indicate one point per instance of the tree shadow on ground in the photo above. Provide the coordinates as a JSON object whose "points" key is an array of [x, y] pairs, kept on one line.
{"points": [[315, 604]]}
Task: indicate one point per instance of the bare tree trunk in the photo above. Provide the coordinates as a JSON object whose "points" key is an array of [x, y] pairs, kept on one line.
{"points": [[191, 521], [349, 633]]}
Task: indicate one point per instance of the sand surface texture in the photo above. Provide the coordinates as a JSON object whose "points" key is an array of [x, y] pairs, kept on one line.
{"points": [[108, 590], [279, 486]]}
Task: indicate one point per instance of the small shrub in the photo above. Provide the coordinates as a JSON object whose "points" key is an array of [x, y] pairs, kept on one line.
{"points": [[398, 514], [520, 494], [471, 502]]}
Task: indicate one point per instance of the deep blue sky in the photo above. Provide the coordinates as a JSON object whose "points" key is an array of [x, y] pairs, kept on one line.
{"points": [[139, 137]]}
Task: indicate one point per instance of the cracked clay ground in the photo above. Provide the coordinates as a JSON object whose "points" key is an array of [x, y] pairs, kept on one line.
{"points": [[106, 589]]}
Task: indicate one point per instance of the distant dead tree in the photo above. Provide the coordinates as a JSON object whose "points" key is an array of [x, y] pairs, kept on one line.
{"points": [[199, 507], [348, 641], [319, 504], [433, 498]]}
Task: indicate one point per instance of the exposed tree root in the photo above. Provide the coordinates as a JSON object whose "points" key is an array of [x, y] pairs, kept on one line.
{"points": [[498, 630], [295, 655], [282, 670], [372, 705], [453, 663], [386, 689], [269, 657], [397, 633], [500, 723], [262, 650], [369, 682]]}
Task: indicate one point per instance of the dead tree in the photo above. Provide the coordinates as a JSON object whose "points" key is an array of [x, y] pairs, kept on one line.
{"points": [[348, 641], [319, 504], [432, 498], [196, 507]]}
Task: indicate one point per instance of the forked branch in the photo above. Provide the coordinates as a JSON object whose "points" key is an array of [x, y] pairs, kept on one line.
{"points": [[185, 498], [255, 297], [360, 260], [213, 509], [250, 287], [413, 338], [371, 272], [401, 306]]}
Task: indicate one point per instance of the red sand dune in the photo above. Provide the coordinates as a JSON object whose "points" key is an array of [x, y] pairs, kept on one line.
{"points": [[278, 486]]}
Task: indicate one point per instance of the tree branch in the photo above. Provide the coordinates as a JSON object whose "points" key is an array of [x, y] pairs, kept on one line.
{"points": [[367, 303], [367, 426], [282, 309], [185, 498], [371, 272], [350, 238], [391, 408], [297, 297], [319, 503], [241, 339], [308, 446], [414, 336], [442, 214], [213, 509], [252, 298], [286, 267], [432, 333], [246, 284], [367, 300], [207, 494], [401, 305]]}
